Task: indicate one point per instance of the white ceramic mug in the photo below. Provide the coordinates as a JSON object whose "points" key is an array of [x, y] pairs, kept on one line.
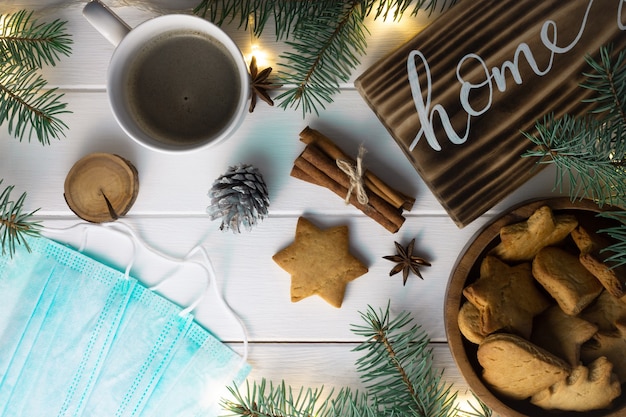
{"points": [[176, 82]]}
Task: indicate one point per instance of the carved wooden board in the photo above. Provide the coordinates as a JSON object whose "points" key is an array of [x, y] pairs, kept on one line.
{"points": [[456, 97]]}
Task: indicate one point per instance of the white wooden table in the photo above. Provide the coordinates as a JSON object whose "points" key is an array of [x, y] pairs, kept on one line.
{"points": [[307, 343]]}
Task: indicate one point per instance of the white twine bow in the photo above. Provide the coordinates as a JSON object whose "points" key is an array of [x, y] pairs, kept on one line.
{"points": [[355, 174]]}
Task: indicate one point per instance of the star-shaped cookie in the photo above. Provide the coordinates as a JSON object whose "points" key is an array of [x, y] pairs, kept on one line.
{"points": [[319, 262], [506, 297]]}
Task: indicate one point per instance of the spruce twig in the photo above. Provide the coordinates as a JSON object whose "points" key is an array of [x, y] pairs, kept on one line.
{"points": [[590, 151], [25, 41], [584, 155], [618, 234], [608, 81], [27, 106], [267, 400], [25, 102], [328, 38], [15, 224], [326, 50], [396, 367], [286, 14]]}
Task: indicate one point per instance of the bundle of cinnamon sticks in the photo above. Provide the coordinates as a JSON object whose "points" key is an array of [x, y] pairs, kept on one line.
{"points": [[317, 164]]}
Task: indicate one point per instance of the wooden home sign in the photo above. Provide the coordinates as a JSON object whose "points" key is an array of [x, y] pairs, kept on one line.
{"points": [[456, 97]]}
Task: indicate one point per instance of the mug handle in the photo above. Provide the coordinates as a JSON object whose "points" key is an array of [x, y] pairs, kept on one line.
{"points": [[106, 21]]}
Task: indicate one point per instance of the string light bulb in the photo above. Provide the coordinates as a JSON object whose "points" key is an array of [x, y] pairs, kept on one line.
{"points": [[262, 57], [260, 54]]}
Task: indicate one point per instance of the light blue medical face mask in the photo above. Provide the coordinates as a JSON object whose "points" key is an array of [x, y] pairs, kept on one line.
{"points": [[19, 298], [94, 341]]}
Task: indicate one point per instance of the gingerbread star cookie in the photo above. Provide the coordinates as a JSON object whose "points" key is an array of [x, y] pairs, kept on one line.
{"points": [[319, 262], [469, 323], [506, 297]]}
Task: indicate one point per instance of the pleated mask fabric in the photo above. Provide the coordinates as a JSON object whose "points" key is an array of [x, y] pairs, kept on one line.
{"points": [[78, 338]]}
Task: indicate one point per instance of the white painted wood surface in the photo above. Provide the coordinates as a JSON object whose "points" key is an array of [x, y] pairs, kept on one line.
{"points": [[307, 343]]}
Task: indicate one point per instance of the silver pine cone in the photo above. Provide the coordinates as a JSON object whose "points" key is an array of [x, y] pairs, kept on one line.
{"points": [[239, 198]]}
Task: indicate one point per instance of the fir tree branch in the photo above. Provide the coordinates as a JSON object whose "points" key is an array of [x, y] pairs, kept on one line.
{"points": [[590, 151], [223, 12], [263, 400], [25, 41], [15, 224], [325, 53], [286, 14], [585, 156], [328, 37], [25, 103], [27, 106], [608, 81], [618, 234], [397, 368], [396, 365]]}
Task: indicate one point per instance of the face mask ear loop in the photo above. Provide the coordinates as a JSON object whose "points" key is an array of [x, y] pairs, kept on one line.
{"points": [[136, 239], [132, 260], [130, 264], [209, 279], [83, 243], [47, 230], [208, 266]]}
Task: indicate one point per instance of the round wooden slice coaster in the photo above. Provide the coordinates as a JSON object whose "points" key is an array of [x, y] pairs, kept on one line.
{"points": [[101, 187]]}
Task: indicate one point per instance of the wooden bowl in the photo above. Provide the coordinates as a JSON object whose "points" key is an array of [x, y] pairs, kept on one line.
{"points": [[466, 271]]}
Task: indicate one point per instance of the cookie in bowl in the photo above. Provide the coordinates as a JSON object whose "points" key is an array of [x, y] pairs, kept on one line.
{"points": [[556, 360]]}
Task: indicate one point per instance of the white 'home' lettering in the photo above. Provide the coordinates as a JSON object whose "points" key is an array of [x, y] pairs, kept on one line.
{"points": [[426, 114]]}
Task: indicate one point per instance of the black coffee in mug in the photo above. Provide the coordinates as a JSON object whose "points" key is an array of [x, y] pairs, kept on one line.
{"points": [[182, 87]]}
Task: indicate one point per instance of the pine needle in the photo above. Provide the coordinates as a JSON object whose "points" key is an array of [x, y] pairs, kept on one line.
{"points": [[326, 51], [590, 151], [328, 38], [395, 9], [396, 365], [15, 224], [29, 107], [25, 41], [269, 400], [617, 233], [585, 156], [608, 81]]}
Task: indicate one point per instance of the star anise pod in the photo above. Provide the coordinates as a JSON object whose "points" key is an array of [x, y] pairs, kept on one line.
{"points": [[260, 84], [406, 262]]}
